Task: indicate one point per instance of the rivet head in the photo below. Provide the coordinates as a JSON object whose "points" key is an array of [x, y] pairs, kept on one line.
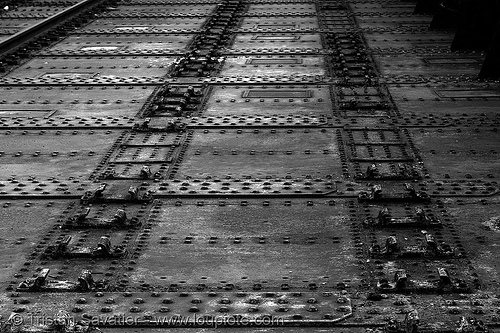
{"points": [[194, 309], [81, 301], [138, 301], [167, 301], [341, 300]]}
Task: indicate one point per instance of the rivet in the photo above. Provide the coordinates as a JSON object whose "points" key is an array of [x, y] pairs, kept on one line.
{"points": [[225, 300]]}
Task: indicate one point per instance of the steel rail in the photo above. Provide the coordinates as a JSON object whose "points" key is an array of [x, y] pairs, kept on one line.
{"points": [[24, 36]]}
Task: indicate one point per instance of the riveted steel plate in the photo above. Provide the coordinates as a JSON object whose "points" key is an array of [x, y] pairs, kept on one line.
{"points": [[19, 219], [392, 22], [459, 153], [9, 27], [143, 155], [430, 104], [82, 242], [467, 93], [255, 188], [269, 189], [239, 242], [53, 153], [265, 153], [256, 121], [326, 307], [144, 25], [430, 65], [24, 113], [380, 6], [375, 40], [110, 42], [297, 7], [240, 329], [94, 67], [362, 102], [374, 153], [231, 100], [16, 23], [140, 148], [274, 65], [76, 101], [33, 11], [412, 244], [279, 23], [264, 93], [104, 270], [277, 40], [171, 9], [375, 137], [151, 139], [481, 218], [384, 148], [424, 275], [336, 22]]}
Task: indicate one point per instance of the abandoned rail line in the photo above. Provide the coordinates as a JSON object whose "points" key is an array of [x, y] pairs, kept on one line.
{"points": [[284, 165]]}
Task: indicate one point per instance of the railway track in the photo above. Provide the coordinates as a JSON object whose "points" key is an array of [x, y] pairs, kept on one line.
{"points": [[284, 165]]}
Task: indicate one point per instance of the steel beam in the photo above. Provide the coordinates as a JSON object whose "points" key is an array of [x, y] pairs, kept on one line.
{"points": [[426, 7], [491, 65], [446, 16], [476, 26]]}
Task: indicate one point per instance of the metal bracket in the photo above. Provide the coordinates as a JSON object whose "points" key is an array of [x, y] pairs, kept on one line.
{"points": [[41, 283], [61, 249], [384, 219], [376, 195], [403, 172], [431, 249], [401, 284], [119, 220], [133, 195]]}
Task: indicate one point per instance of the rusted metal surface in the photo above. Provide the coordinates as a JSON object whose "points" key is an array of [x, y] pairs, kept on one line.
{"points": [[259, 165]]}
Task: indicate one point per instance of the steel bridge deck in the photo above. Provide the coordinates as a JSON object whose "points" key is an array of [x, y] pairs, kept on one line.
{"points": [[242, 139]]}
